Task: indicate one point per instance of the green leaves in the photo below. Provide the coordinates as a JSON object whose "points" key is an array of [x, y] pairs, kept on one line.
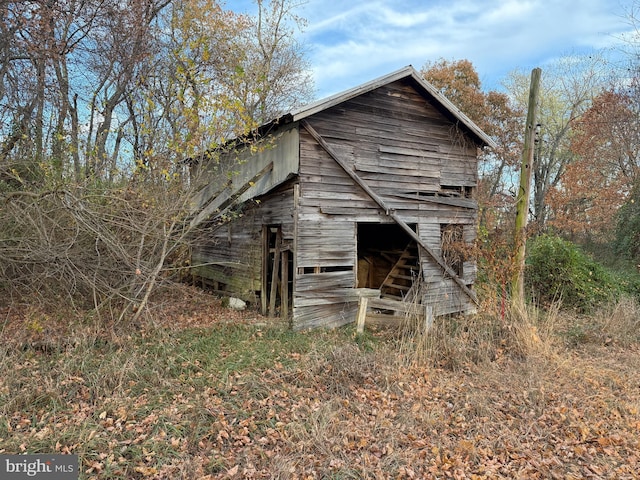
{"points": [[627, 237], [557, 270]]}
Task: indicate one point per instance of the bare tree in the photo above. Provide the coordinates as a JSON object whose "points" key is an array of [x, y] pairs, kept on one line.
{"points": [[101, 102], [123, 50], [566, 93], [272, 75]]}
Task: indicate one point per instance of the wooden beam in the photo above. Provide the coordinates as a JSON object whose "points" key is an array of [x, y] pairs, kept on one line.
{"points": [[406, 311], [459, 202], [275, 274], [284, 284], [388, 211], [265, 270]]}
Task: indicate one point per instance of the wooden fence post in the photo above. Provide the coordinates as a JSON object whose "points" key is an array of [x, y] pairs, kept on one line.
{"points": [[428, 318], [362, 315]]}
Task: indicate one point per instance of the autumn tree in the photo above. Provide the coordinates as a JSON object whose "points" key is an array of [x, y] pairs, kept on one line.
{"points": [[90, 88], [566, 92], [606, 143], [627, 232], [493, 112], [459, 81], [180, 109]]}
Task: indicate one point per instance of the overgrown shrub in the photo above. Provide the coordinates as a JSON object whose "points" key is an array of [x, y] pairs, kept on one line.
{"points": [[94, 247], [557, 270], [627, 234], [494, 254]]}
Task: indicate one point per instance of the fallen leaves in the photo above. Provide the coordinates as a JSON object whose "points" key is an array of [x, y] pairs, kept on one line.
{"points": [[193, 409]]}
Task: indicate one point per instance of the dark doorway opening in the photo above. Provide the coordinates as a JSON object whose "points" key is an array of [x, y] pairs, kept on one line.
{"points": [[388, 259], [277, 273]]}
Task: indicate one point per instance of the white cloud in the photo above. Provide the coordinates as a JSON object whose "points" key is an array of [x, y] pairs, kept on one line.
{"points": [[397, 19], [355, 43]]}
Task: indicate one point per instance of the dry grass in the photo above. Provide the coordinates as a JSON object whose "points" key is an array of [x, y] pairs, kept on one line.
{"points": [[522, 396], [619, 323], [524, 332]]}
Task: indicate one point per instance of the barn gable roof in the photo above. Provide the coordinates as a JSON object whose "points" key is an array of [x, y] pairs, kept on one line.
{"points": [[408, 73], [272, 169]]}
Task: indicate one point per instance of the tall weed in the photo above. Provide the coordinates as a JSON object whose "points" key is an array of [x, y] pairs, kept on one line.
{"points": [[458, 342]]}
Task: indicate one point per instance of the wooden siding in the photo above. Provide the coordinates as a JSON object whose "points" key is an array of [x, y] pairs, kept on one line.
{"points": [[412, 156], [437, 290], [231, 254], [236, 168], [394, 142]]}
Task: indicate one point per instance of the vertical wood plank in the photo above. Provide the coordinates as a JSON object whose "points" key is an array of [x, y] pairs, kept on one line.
{"points": [[355, 254], [362, 314], [296, 212], [265, 269], [428, 318], [275, 274], [284, 285]]}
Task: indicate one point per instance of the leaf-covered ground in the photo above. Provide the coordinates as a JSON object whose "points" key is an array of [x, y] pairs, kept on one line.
{"points": [[202, 392]]}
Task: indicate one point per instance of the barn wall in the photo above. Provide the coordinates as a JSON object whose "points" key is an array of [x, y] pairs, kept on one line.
{"points": [[438, 291], [410, 155], [231, 254], [235, 169]]}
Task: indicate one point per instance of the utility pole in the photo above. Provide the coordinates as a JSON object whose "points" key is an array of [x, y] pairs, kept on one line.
{"points": [[524, 192]]}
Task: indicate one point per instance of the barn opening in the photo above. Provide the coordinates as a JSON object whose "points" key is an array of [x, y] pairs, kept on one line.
{"points": [[388, 259], [453, 246], [277, 273]]}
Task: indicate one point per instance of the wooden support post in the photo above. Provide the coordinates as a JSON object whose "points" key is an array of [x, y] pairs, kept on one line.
{"points": [[362, 315], [265, 269], [522, 200], [284, 285], [428, 318], [275, 274]]}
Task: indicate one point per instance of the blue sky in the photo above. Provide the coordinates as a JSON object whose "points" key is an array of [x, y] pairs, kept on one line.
{"points": [[351, 42]]}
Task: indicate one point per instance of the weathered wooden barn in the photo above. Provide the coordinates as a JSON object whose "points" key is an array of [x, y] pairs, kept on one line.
{"points": [[368, 192]]}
